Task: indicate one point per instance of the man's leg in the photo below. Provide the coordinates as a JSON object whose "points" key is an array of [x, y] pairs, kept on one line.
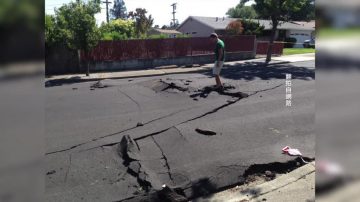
{"points": [[218, 81], [216, 73]]}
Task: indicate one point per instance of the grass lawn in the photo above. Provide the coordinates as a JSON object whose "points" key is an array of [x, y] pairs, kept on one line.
{"points": [[292, 51], [338, 33]]}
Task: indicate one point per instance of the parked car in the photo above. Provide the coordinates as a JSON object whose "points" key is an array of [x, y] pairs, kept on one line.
{"points": [[309, 43]]}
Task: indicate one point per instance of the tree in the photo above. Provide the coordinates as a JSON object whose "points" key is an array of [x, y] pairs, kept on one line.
{"points": [[277, 11], [142, 22], [242, 11], [118, 30], [119, 10], [306, 13], [50, 35], [234, 28], [165, 27], [252, 27], [77, 22]]}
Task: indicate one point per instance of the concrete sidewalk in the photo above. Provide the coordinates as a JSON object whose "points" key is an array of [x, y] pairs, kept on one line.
{"points": [[296, 186], [177, 70]]}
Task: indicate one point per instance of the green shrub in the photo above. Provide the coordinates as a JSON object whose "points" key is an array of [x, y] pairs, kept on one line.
{"points": [[109, 36], [158, 36]]}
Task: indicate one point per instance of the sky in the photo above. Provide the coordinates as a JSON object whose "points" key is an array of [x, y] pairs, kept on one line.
{"points": [[161, 10]]}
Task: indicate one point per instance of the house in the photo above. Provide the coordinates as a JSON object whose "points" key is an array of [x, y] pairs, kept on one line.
{"points": [[196, 26], [169, 32]]}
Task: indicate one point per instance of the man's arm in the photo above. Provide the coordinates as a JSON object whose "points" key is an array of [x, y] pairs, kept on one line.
{"points": [[220, 55]]}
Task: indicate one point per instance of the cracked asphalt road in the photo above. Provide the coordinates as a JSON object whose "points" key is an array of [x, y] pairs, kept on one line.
{"points": [[123, 141]]}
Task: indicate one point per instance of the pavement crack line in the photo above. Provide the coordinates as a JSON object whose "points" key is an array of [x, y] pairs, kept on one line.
{"points": [[259, 91], [165, 159], [64, 150], [132, 99], [67, 171], [180, 133], [211, 112], [117, 133]]}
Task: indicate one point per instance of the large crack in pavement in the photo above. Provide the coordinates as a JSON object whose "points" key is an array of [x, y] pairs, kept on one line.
{"points": [[250, 173], [247, 173], [167, 165], [118, 133], [230, 102], [130, 155], [130, 152]]}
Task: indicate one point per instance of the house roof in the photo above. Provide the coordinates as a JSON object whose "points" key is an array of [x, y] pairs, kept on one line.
{"points": [[222, 23], [294, 25], [167, 31]]}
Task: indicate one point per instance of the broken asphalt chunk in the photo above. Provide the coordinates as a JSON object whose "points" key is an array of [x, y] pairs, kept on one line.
{"points": [[128, 150], [51, 172]]}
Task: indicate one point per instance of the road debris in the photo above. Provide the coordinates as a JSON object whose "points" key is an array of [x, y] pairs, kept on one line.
{"points": [[205, 132]]}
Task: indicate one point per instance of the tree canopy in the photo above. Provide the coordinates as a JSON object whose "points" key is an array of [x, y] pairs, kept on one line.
{"points": [[142, 22], [118, 30], [242, 11], [75, 23], [119, 10]]}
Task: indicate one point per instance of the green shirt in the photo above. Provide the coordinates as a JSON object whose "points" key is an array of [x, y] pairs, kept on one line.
{"points": [[220, 44]]}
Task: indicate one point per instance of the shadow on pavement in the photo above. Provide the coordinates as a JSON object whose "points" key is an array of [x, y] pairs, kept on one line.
{"points": [[252, 70]]}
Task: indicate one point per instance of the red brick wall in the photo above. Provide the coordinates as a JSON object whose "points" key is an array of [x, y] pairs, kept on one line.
{"points": [[262, 47]]}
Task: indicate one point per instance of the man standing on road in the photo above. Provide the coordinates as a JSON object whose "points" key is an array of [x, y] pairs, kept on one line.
{"points": [[219, 59]]}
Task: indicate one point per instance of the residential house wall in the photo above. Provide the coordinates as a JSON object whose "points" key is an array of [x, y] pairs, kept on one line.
{"points": [[194, 28], [300, 36]]}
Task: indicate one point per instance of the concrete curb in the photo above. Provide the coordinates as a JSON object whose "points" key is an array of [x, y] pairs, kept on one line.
{"points": [[265, 188], [144, 73]]}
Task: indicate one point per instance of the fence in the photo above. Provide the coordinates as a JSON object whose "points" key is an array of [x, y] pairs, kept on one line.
{"points": [[262, 47], [164, 48]]}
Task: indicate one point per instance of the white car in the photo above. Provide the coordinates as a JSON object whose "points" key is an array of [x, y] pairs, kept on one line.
{"points": [[309, 43]]}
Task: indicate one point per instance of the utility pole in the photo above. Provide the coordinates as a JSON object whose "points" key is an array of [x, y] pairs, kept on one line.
{"points": [[174, 11], [107, 9]]}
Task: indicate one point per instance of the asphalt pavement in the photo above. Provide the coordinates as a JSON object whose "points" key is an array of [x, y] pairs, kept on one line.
{"points": [[124, 139]]}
